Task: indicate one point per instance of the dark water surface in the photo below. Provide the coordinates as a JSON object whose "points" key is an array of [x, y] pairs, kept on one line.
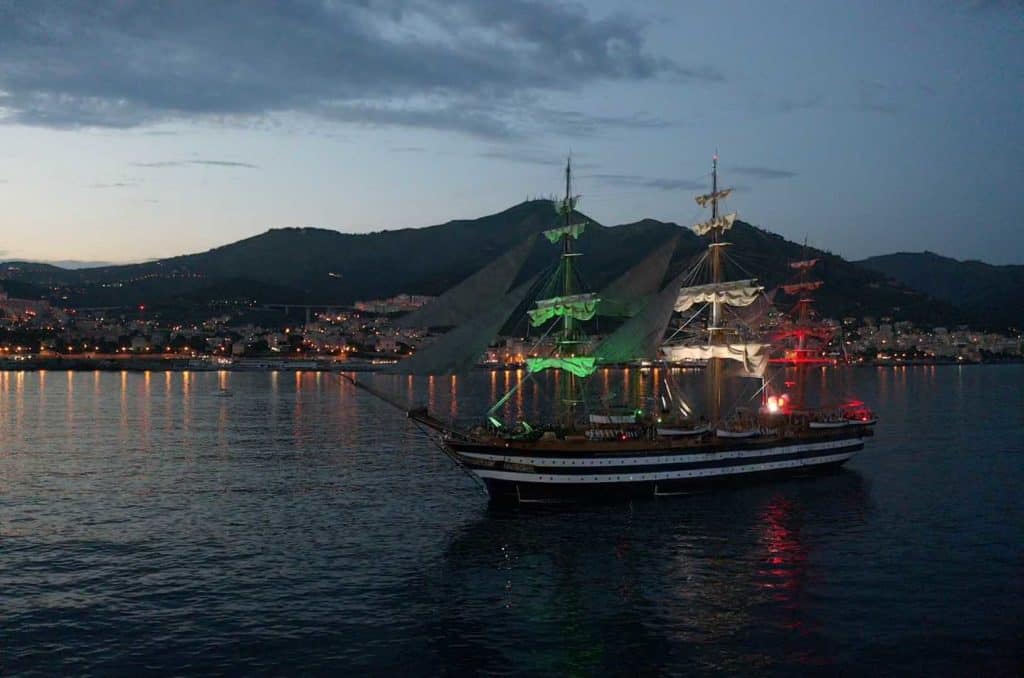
{"points": [[300, 526]]}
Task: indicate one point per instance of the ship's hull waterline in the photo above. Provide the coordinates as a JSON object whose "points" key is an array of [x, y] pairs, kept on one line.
{"points": [[524, 475]]}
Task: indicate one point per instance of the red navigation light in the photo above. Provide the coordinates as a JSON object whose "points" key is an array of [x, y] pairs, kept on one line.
{"points": [[142, 307]]}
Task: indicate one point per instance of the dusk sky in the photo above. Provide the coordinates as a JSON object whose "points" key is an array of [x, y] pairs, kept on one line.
{"points": [[137, 130]]}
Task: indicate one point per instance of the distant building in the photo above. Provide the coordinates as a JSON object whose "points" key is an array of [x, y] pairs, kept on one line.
{"points": [[22, 308], [397, 304], [386, 345]]}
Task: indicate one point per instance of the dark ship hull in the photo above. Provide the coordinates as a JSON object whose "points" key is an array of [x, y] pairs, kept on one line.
{"points": [[555, 471]]}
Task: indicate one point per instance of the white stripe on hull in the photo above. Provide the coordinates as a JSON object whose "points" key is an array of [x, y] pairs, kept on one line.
{"points": [[576, 462], [661, 475]]}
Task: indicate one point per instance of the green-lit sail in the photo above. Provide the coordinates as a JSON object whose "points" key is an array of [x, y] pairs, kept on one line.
{"points": [[581, 366], [554, 235], [578, 307], [640, 337]]}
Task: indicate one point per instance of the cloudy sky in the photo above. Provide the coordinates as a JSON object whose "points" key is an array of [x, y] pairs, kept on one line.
{"points": [[134, 130]]}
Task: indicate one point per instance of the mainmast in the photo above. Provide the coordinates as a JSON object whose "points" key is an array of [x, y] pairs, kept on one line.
{"points": [[716, 332], [715, 248], [722, 344]]}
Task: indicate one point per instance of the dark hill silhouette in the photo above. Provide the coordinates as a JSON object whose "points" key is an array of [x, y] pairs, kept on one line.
{"points": [[987, 294], [321, 266]]}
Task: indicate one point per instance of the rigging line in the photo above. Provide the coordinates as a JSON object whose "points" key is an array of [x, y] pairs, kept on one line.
{"points": [[436, 440], [543, 337], [731, 259], [739, 318], [696, 269], [732, 407], [374, 392], [504, 398], [683, 326], [764, 385]]}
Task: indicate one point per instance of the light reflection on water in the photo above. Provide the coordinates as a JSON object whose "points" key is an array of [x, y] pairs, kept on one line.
{"points": [[158, 527]]}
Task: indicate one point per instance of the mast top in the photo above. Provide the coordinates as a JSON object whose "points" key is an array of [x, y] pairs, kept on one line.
{"points": [[718, 224]]}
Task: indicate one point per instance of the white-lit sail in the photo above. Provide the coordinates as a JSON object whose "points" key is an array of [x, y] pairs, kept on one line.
{"points": [[703, 200], [723, 222], [734, 293], [753, 357]]}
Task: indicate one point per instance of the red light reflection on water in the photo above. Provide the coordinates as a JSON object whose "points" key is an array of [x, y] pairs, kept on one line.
{"points": [[785, 562]]}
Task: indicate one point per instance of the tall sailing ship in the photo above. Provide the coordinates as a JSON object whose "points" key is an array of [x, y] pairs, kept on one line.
{"points": [[588, 449]]}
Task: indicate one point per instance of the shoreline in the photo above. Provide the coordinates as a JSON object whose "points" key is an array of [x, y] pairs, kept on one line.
{"points": [[157, 364]]}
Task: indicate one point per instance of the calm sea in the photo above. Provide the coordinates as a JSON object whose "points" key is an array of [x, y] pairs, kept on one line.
{"points": [[149, 525]]}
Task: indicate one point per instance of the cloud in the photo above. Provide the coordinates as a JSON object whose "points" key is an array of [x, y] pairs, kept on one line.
{"points": [[993, 5], [804, 102], [875, 97], [524, 157], [861, 96], [544, 158], [452, 65], [575, 123], [637, 181], [762, 172], [184, 163]]}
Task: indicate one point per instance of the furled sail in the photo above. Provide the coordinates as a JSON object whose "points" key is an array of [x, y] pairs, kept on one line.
{"points": [[734, 293], [640, 336], [753, 357], [581, 366], [625, 296], [471, 297], [578, 306], [723, 222], [460, 349], [796, 288], [703, 200], [803, 265], [572, 230]]}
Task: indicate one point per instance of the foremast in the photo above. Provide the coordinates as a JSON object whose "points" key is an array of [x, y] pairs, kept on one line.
{"points": [[565, 299], [569, 343]]}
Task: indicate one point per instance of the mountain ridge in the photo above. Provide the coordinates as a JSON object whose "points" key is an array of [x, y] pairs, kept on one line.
{"points": [[985, 292], [328, 267]]}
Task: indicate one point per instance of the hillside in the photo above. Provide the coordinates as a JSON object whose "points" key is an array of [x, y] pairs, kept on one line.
{"points": [[320, 266], [986, 294]]}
